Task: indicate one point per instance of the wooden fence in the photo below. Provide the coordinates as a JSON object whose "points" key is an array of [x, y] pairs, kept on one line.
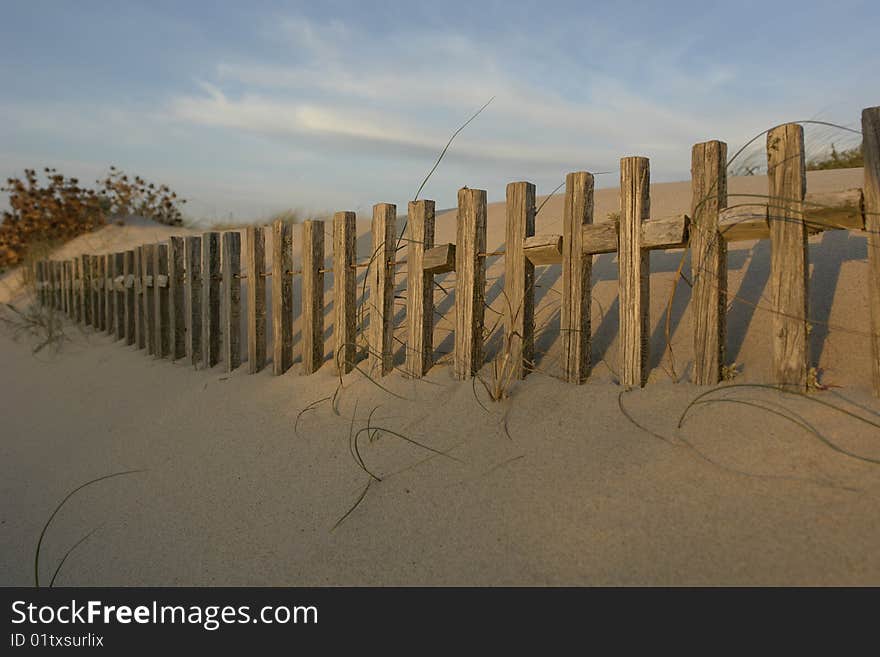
{"points": [[182, 300]]}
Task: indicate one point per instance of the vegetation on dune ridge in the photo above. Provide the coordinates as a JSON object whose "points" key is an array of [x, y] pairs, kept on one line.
{"points": [[59, 208]]}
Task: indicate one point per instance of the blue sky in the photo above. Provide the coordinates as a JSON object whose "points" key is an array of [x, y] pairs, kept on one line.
{"points": [[248, 108]]}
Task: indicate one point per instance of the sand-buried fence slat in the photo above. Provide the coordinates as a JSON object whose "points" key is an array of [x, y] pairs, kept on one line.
{"points": [[192, 256], [119, 294], [100, 276], [162, 311], [312, 296], [255, 263], [577, 276], [77, 290], [381, 276], [470, 282], [708, 260], [148, 307], [344, 291], [210, 299], [140, 337], [786, 173], [176, 303], [634, 271], [65, 295], [282, 297], [86, 269], [109, 294], [419, 289], [519, 280], [129, 305], [231, 268], [871, 150]]}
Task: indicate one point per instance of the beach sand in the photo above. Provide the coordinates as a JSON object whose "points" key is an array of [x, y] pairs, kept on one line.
{"points": [[243, 479]]}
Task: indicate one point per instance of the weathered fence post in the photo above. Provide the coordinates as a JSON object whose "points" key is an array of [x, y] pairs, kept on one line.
{"points": [[101, 280], [577, 277], [871, 150], [313, 296], [708, 260], [419, 289], [119, 293], [210, 299], [282, 297], [97, 306], [79, 296], [519, 280], [149, 300], [130, 305], [86, 270], [381, 275], [231, 266], [109, 294], [65, 288], [56, 285], [192, 253], [786, 171], [470, 283], [140, 338], [634, 270], [160, 284], [256, 298], [344, 291], [176, 305]]}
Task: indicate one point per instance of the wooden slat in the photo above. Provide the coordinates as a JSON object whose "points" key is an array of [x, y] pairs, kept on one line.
{"points": [[100, 274], [786, 172], [109, 294], [255, 261], [138, 266], [282, 297], [439, 259], [162, 311], [176, 300], [871, 150], [148, 305], [381, 277], [312, 296], [634, 271], [79, 296], [119, 295], [231, 268], [577, 267], [192, 297], [344, 291], [708, 260], [470, 283], [210, 299], [544, 249], [419, 288], [519, 282], [65, 304], [129, 304]]}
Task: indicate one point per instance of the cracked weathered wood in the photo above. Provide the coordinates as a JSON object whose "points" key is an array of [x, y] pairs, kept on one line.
{"points": [[871, 150], [109, 294], [148, 307], [129, 305], [80, 290], [439, 259], [519, 282], [470, 283], [210, 299], [282, 297], [381, 277], [119, 294], [162, 314], [98, 276], [176, 301], [786, 173], [708, 260], [312, 296], [419, 289], [192, 296], [634, 271], [231, 268], [344, 291], [823, 211], [577, 268], [255, 262]]}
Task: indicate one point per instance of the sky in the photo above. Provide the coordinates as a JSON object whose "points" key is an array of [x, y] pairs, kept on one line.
{"points": [[248, 108]]}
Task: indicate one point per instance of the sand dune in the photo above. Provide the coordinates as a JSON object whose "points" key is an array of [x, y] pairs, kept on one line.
{"points": [[244, 479]]}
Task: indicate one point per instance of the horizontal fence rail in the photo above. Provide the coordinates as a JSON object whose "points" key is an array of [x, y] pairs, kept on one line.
{"points": [[181, 299]]}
